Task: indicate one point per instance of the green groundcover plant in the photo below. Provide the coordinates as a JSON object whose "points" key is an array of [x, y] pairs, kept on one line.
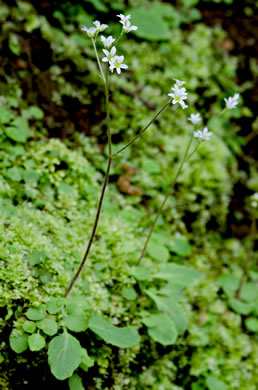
{"points": [[129, 320]]}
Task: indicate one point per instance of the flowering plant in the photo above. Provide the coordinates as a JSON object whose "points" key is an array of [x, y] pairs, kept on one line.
{"points": [[178, 95]]}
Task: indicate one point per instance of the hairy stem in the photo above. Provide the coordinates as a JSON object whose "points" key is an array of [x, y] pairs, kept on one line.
{"points": [[144, 129], [164, 201]]}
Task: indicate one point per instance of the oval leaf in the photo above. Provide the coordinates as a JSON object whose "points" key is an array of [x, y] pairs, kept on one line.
{"points": [[64, 355]]}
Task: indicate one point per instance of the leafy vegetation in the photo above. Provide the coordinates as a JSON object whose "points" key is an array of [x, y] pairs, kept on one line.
{"points": [[176, 321]]}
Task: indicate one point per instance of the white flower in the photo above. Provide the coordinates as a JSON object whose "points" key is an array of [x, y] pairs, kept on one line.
{"points": [[179, 82], [179, 95], [195, 118], [107, 42], [127, 27], [203, 134], [255, 196], [124, 20], [116, 63], [100, 27], [90, 31], [109, 54], [232, 102]]}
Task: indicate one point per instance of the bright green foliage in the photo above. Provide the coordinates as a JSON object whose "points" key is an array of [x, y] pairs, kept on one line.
{"points": [[49, 190], [121, 337], [18, 342], [36, 342], [64, 355]]}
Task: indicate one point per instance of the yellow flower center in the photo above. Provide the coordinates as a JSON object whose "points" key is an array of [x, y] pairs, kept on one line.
{"points": [[177, 98], [117, 64]]}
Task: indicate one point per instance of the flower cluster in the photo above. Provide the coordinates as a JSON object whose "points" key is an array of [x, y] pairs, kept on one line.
{"points": [[124, 20], [232, 101], [115, 62], [203, 135], [93, 31], [179, 94]]}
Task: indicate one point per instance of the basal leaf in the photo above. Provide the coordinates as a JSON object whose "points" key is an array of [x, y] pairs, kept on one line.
{"points": [[120, 337], [158, 251], [34, 314], [36, 342], [181, 274], [18, 343], [161, 328], [76, 322], [64, 355]]}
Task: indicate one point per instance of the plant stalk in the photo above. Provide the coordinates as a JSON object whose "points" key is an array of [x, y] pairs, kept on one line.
{"points": [[104, 186], [144, 129], [165, 200]]}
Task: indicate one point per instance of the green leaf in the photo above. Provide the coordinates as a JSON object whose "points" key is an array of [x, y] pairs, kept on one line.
{"points": [[55, 305], [15, 173], [241, 307], [249, 292], [36, 112], [180, 246], [76, 303], [150, 25], [172, 308], [18, 343], [64, 355], [229, 283], [36, 257], [34, 314], [161, 328], [86, 361], [129, 293], [19, 131], [36, 342], [1, 358], [48, 326], [75, 383], [158, 251], [99, 5], [214, 384], [76, 322], [29, 326], [120, 337], [179, 273], [5, 115], [142, 273], [252, 324], [31, 177]]}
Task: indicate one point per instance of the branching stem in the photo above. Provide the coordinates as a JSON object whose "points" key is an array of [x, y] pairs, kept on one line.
{"points": [[165, 200]]}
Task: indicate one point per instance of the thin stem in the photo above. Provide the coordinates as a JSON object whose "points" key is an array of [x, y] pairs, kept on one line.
{"points": [[248, 258], [104, 186], [222, 111], [108, 116], [93, 232], [144, 129], [98, 60], [164, 201]]}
